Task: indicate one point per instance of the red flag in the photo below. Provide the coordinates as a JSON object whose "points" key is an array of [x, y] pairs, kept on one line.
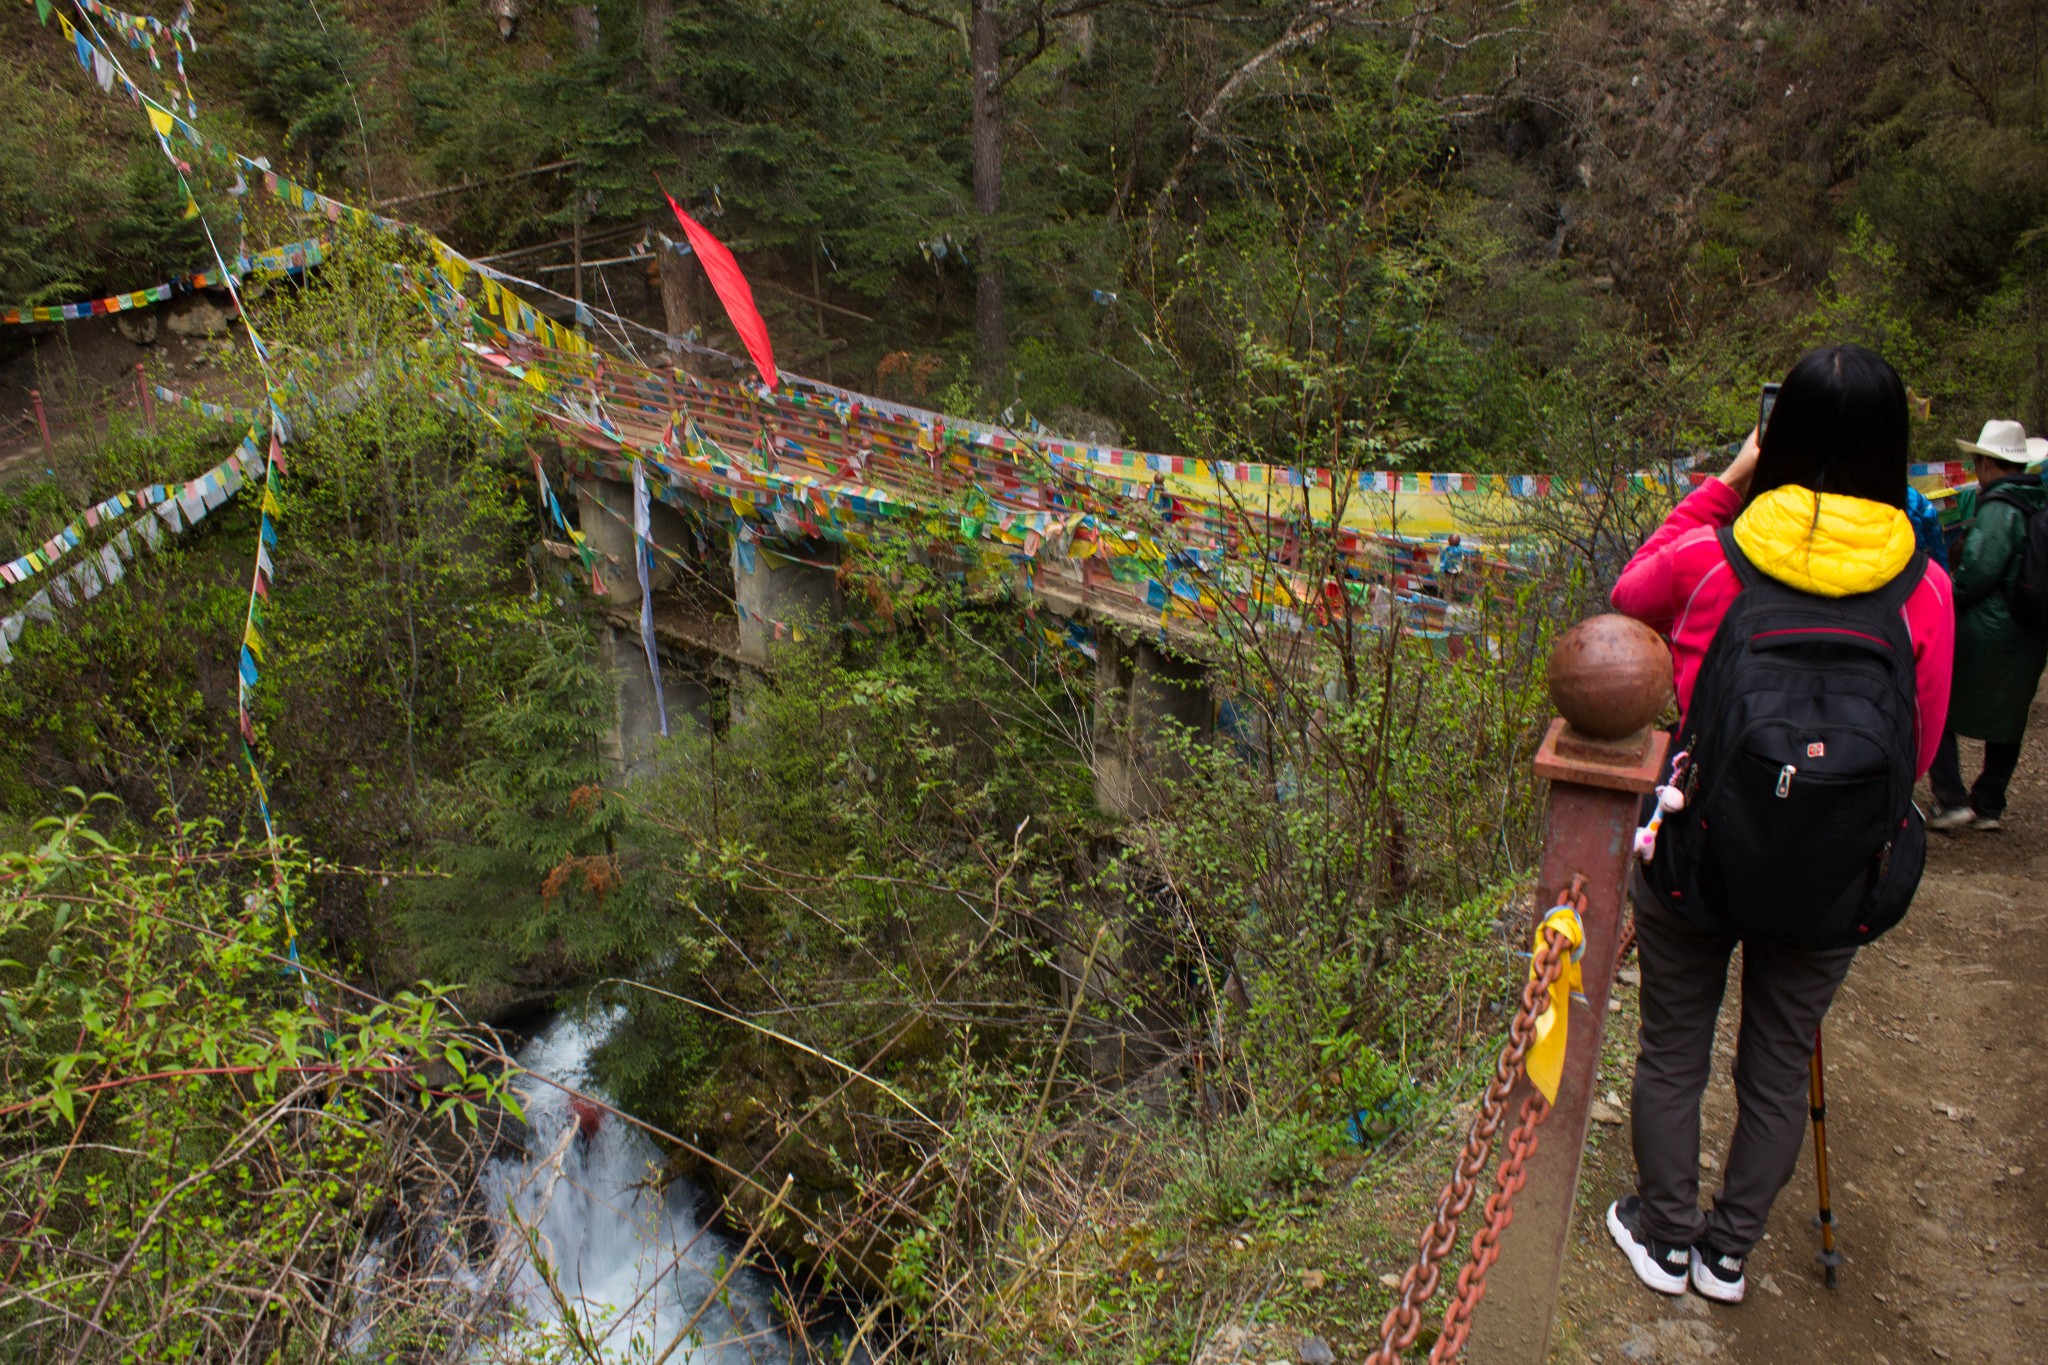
{"points": [[733, 291]]}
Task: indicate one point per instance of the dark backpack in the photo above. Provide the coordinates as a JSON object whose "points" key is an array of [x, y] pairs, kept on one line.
{"points": [[1798, 825], [2027, 593]]}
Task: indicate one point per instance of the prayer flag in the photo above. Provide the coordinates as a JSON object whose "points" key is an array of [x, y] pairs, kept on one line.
{"points": [[733, 291]]}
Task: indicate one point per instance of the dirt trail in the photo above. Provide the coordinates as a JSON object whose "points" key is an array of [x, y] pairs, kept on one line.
{"points": [[1937, 1077]]}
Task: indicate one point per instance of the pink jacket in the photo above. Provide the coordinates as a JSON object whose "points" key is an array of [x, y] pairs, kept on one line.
{"points": [[1680, 584]]}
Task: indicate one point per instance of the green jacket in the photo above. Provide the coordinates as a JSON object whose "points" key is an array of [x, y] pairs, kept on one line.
{"points": [[1998, 660]]}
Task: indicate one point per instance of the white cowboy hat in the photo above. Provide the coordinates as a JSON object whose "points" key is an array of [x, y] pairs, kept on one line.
{"points": [[2007, 441]]}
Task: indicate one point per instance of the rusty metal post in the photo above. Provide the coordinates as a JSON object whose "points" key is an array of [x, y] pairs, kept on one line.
{"points": [[43, 422], [148, 398], [1609, 676]]}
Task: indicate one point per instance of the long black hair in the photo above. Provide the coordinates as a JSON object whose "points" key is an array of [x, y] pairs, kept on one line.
{"points": [[1839, 427]]}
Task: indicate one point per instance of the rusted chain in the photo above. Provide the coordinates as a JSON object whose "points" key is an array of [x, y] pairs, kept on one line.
{"points": [[1500, 1211], [1404, 1320], [1628, 941]]}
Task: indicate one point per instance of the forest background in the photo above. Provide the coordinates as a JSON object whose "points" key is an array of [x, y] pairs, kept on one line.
{"points": [[1543, 237]]}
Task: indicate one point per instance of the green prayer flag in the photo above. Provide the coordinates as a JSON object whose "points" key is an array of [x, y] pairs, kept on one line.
{"points": [[43, 12]]}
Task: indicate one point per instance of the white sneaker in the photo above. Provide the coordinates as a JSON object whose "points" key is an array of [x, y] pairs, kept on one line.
{"points": [[1990, 824], [1717, 1276], [1955, 817], [1660, 1267]]}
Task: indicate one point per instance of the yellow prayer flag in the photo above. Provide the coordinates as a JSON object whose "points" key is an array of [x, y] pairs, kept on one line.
{"points": [[452, 265], [1546, 1051], [159, 119], [269, 503]]}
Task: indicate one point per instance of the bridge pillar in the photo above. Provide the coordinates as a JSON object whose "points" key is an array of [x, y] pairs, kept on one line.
{"points": [[636, 733], [777, 595], [604, 513], [1143, 695]]}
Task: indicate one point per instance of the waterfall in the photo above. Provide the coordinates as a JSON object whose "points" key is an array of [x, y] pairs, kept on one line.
{"points": [[626, 1254]]}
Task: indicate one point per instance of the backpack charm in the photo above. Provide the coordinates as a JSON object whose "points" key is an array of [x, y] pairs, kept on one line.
{"points": [[1670, 800]]}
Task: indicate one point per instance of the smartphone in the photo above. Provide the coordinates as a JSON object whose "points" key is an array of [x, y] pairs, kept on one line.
{"points": [[1763, 408]]}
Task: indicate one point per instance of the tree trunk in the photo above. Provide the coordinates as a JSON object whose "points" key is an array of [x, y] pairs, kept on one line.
{"points": [[678, 307], [985, 56], [2037, 310], [679, 310], [655, 17], [583, 23]]}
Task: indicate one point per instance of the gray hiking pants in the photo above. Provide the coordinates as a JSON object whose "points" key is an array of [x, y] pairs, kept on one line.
{"points": [[1785, 994]]}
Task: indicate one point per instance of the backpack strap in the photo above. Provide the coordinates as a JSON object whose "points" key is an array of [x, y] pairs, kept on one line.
{"points": [[1896, 593], [1746, 573]]}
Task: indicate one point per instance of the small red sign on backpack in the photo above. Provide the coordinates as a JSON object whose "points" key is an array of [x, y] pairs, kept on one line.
{"points": [[1816, 750]]}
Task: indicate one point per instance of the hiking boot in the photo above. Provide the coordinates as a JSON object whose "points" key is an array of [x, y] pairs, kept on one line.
{"points": [[1955, 817], [1990, 824], [1717, 1275], [1660, 1266]]}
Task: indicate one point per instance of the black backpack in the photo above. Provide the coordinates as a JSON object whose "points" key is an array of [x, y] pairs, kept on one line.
{"points": [[2027, 593], [1798, 825]]}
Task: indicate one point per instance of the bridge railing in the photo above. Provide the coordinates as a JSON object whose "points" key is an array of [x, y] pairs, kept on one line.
{"points": [[1609, 679]]}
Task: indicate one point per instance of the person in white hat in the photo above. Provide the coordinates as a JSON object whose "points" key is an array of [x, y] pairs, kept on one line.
{"points": [[2007, 444], [1998, 659]]}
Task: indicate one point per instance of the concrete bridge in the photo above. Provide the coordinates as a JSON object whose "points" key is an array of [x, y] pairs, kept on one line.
{"points": [[723, 606], [755, 497]]}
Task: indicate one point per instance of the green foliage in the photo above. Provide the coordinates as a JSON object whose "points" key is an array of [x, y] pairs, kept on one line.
{"points": [[533, 836], [88, 200], [310, 72], [185, 1121], [123, 692], [400, 577], [894, 807], [1862, 303]]}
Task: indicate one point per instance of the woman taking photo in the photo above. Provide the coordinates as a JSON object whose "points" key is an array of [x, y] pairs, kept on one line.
{"points": [[1811, 645]]}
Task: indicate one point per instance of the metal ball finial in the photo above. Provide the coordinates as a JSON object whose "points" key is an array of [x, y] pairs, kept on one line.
{"points": [[1610, 676]]}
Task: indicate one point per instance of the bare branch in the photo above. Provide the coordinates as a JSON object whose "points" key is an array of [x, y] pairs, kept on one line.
{"points": [[1307, 28], [949, 23]]}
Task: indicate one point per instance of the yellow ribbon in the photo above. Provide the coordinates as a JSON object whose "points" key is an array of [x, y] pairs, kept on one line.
{"points": [[1546, 1051]]}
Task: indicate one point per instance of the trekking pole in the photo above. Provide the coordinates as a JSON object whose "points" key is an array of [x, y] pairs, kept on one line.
{"points": [[1817, 1098]]}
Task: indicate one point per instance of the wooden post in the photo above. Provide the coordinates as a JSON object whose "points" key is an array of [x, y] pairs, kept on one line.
{"points": [[43, 422], [576, 243], [1607, 675], [818, 304]]}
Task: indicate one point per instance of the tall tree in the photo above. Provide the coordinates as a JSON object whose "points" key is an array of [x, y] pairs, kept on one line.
{"points": [[1003, 39]]}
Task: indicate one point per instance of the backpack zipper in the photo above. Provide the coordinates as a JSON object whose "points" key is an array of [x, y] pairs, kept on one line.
{"points": [[1712, 787], [1785, 780]]}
